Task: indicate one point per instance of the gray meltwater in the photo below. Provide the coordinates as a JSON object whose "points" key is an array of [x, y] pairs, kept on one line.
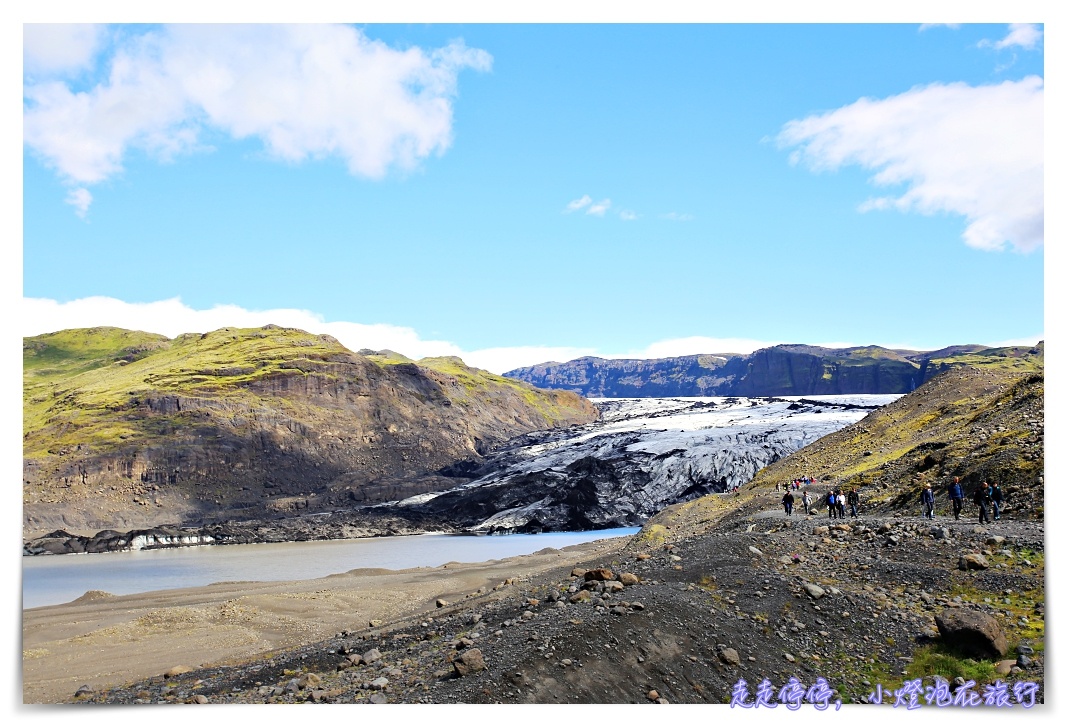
{"points": [[48, 580]]}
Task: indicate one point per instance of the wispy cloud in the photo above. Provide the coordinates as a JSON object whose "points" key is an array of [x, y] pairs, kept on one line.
{"points": [[80, 199], [975, 151], [928, 26], [1021, 35], [304, 91], [599, 208], [628, 215], [578, 204], [677, 216]]}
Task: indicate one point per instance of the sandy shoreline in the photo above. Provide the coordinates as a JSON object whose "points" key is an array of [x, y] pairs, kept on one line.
{"points": [[103, 641]]}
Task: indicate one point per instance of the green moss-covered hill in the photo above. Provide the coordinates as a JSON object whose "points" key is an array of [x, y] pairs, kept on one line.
{"points": [[981, 422], [131, 429], [789, 369]]}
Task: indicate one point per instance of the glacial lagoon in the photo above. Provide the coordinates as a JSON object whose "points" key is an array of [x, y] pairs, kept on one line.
{"points": [[48, 580]]}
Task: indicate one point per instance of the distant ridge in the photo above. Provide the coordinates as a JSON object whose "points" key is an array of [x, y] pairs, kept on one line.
{"points": [[788, 369]]}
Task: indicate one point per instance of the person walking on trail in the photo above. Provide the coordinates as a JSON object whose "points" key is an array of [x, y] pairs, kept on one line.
{"points": [[831, 510], [982, 499], [788, 503], [927, 498], [956, 494], [806, 501], [854, 501], [839, 500], [995, 500]]}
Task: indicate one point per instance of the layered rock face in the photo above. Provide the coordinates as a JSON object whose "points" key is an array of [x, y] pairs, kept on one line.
{"points": [[125, 431], [793, 369]]}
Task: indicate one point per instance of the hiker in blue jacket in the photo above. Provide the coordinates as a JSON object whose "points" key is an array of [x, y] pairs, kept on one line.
{"points": [[956, 494], [995, 500], [927, 498]]}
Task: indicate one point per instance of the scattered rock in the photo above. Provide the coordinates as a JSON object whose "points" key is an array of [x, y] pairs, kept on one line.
{"points": [[729, 655]]}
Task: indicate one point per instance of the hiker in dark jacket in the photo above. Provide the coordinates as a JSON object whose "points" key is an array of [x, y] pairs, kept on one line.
{"points": [[927, 498], [995, 500], [788, 503], [956, 494], [854, 501], [981, 497]]}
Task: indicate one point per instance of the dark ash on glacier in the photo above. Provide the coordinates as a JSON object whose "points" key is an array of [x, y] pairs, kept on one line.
{"points": [[640, 456]]}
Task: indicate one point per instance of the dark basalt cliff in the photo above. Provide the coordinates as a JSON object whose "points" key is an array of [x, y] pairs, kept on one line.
{"points": [[792, 369], [128, 430]]}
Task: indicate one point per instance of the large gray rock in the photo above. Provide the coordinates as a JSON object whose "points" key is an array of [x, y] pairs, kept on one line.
{"points": [[972, 632], [972, 562]]}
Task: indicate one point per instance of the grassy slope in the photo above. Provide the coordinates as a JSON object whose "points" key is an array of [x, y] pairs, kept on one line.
{"points": [[81, 387]]}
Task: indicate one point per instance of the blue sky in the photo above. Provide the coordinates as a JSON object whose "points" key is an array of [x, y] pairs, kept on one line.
{"points": [[521, 193]]}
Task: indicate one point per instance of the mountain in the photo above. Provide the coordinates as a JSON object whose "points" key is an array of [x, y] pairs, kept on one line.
{"points": [[130, 429], [792, 369]]}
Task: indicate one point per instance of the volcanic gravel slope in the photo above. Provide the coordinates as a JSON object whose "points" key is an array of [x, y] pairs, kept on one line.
{"points": [[670, 637]]}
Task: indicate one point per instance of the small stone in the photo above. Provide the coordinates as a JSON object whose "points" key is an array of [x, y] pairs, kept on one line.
{"points": [[755, 551], [653, 695], [177, 670], [379, 683], [439, 603], [789, 657], [371, 656], [199, 699], [729, 655], [813, 590]]}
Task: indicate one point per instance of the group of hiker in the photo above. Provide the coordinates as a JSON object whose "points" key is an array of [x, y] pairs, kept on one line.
{"points": [[796, 483], [984, 496], [835, 499]]}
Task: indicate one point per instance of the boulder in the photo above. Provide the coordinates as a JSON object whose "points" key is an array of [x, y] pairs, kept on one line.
{"points": [[628, 579], [970, 562], [814, 590], [729, 655], [599, 575], [972, 632], [469, 662]]}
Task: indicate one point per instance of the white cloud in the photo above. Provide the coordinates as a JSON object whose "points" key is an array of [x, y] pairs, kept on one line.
{"points": [[928, 26], [677, 217], [975, 151], [696, 345], [1024, 341], [1022, 35], [305, 91], [59, 47], [599, 208], [628, 215], [171, 317], [578, 204], [80, 199]]}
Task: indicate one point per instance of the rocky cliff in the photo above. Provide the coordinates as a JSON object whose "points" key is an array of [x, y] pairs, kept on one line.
{"points": [[792, 369], [127, 429]]}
